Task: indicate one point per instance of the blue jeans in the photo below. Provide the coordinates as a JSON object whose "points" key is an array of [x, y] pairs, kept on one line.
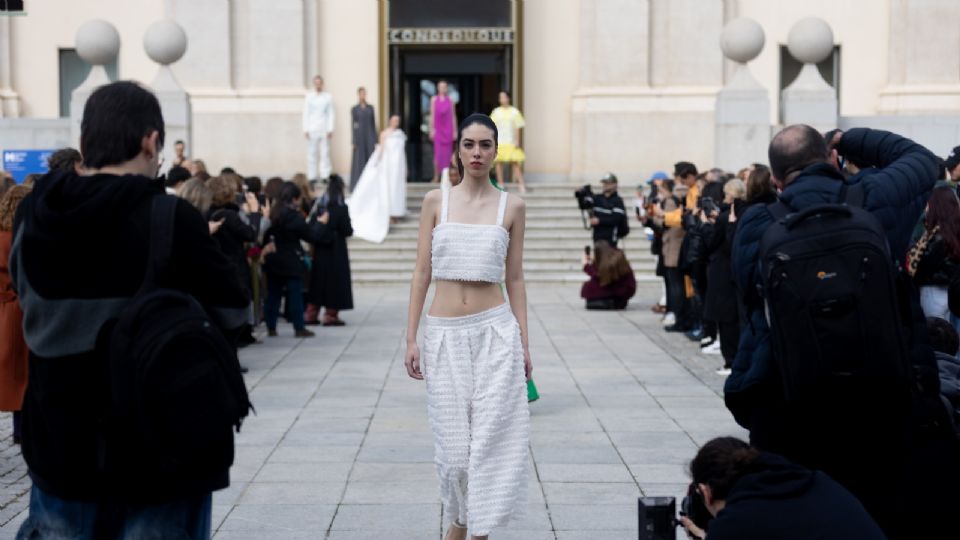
{"points": [[275, 286], [53, 518]]}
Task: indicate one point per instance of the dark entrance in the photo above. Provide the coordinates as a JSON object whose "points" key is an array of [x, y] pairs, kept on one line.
{"points": [[474, 76]]}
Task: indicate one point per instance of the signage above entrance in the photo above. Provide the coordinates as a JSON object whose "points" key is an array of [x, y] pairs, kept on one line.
{"points": [[430, 36]]}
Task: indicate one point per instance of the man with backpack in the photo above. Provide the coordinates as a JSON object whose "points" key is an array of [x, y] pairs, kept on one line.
{"points": [[134, 392], [833, 369]]}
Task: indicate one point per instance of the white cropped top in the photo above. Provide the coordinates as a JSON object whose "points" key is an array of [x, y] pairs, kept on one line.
{"points": [[468, 251]]}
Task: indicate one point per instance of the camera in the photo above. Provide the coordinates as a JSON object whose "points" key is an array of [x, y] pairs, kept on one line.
{"points": [[658, 515], [708, 205], [584, 197]]}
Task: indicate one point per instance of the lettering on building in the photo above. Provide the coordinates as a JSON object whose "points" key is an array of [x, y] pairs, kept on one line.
{"points": [[399, 36]]}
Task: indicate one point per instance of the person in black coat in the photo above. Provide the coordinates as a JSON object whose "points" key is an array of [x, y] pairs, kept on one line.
{"points": [[285, 266], [721, 305], [330, 284], [609, 219], [235, 232], [753, 494]]}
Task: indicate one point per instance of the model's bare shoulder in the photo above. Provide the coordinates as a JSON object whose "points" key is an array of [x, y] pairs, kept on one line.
{"points": [[516, 206], [432, 197]]}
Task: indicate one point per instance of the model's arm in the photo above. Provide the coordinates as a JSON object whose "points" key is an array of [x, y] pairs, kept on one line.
{"points": [[433, 116], [516, 288], [421, 281]]}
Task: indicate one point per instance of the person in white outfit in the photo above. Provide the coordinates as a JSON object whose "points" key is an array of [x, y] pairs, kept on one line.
{"points": [[381, 193], [317, 129], [476, 356]]}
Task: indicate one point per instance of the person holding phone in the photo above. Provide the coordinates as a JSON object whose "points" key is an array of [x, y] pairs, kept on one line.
{"points": [[612, 283]]}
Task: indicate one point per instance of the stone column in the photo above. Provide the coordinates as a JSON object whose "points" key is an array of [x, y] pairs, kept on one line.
{"points": [[97, 43], [742, 129], [9, 100], [165, 42], [810, 99]]}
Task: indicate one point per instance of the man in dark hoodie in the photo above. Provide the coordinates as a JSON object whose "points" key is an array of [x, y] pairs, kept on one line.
{"points": [[753, 494], [80, 252]]}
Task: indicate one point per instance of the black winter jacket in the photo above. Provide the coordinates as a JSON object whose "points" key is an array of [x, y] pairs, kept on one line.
{"points": [[79, 254], [613, 218], [286, 232], [936, 266], [233, 236], [777, 499]]}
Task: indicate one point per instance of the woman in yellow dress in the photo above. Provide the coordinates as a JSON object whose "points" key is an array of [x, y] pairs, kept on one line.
{"points": [[509, 121]]}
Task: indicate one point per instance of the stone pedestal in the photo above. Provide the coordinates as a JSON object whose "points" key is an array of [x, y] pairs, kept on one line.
{"points": [[809, 99], [165, 42], [742, 128], [97, 43]]}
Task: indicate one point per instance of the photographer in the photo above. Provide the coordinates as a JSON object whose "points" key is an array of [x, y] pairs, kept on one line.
{"points": [[753, 494], [609, 219]]}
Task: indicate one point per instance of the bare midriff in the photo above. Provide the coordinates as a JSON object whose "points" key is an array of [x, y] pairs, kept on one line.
{"points": [[460, 298]]}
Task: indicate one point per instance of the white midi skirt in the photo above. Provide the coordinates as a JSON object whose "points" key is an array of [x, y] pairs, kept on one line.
{"points": [[477, 404]]}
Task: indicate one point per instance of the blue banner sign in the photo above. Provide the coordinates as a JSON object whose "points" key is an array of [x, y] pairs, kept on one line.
{"points": [[20, 163]]}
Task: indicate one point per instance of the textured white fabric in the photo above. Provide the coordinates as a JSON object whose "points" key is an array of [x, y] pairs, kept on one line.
{"points": [[383, 181], [468, 251], [318, 156], [477, 404]]}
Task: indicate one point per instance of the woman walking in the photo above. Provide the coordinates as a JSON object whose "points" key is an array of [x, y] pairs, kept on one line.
{"points": [[330, 285], [509, 122], [285, 267], [443, 124], [476, 357]]}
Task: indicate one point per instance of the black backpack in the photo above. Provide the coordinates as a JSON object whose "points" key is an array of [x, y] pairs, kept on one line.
{"points": [[176, 386], [829, 286]]}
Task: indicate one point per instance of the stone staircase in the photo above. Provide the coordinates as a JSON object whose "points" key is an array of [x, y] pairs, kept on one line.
{"points": [[553, 245]]}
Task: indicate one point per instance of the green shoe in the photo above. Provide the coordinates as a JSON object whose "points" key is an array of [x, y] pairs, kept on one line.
{"points": [[532, 394]]}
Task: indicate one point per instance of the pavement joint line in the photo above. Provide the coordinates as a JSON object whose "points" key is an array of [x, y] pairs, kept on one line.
{"points": [[366, 430], [589, 324]]}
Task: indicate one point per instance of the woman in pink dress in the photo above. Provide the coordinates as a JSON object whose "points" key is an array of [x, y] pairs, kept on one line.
{"points": [[443, 124]]}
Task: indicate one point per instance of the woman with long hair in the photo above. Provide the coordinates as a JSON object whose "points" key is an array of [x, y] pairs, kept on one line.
{"points": [[443, 124], [330, 284], [934, 258], [285, 266], [476, 357], [612, 283], [13, 348]]}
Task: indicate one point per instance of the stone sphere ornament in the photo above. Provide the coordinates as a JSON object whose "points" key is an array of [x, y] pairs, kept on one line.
{"points": [[165, 42], [810, 40], [97, 42], [742, 40]]}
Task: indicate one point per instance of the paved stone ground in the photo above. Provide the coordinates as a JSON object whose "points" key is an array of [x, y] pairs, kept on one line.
{"points": [[341, 448]]}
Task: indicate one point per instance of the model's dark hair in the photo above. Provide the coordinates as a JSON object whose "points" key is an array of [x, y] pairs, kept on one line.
{"points": [[759, 183], [116, 118], [684, 168], [475, 118], [795, 148], [943, 336], [64, 159], [335, 187], [943, 210], [720, 463], [288, 193]]}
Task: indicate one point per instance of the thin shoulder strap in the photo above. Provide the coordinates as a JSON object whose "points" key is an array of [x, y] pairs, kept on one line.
{"points": [[503, 208], [444, 202], [162, 214]]}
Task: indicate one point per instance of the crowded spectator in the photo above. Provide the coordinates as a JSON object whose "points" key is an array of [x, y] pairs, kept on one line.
{"points": [[197, 168], [285, 267], [330, 283], [722, 304], [271, 190], [307, 191], [6, 182], [758, 495], [101, 468], [13, 349], [935, 257], [175, 179], [234, 233], [66, 159], [671, 244], [254, 185], [31, 179], [609, 219], [854, 429], [612, 283], [198, 194], [952, 164]]}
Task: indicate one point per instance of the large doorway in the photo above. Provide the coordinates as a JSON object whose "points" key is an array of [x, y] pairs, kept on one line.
{"points": [[474, 79]]}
